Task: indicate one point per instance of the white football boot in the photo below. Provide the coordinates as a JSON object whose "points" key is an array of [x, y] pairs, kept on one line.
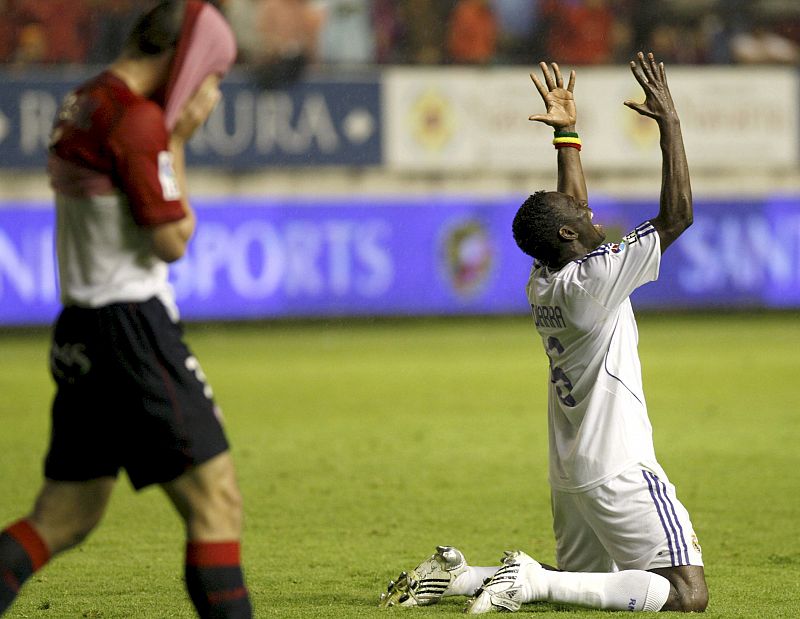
{"points": [[509, 588], [426, 583]]}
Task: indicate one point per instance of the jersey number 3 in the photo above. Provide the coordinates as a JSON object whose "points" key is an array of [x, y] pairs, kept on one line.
{"points": [[557, 376]]}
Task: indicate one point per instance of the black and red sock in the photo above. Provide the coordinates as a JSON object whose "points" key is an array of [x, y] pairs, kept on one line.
{"points": [[22, 552], [215, 580]]}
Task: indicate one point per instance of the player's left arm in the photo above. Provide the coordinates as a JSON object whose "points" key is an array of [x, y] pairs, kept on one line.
{"points": [[675, 212], [561, 114]]}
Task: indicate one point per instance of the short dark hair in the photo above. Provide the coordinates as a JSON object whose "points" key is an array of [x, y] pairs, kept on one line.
{"points": [[156, 31], [536, 225]]}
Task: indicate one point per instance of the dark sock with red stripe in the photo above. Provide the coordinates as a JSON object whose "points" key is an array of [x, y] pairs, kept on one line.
{"points": [[22, 552], [215, 581]]}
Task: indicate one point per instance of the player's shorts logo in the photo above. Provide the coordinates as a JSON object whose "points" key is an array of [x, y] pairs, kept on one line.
{"points": [[69, 362], [467, 256]]}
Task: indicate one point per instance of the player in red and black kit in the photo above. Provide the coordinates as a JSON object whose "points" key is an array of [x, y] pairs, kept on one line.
{"points": [[130, 394]]}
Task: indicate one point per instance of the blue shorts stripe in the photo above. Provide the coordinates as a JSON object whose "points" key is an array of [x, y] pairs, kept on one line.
{"points": [[663, 515], [681, 539]]}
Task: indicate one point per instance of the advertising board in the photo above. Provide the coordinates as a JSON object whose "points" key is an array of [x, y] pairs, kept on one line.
{"points": [[265, 258]]}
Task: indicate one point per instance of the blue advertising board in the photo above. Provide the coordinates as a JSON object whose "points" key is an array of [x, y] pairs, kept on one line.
{"points": [[315, 122], [277, 258]]}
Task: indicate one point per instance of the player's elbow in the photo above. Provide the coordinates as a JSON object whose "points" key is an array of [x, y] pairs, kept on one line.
{"points": [[682, 215], [688, 215], [169, 242], [682, 225], [169, 254]]}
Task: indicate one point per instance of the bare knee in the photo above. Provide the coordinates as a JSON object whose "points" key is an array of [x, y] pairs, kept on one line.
{"points": [[65, 513], [62, 535], [209, 500], [688, 590], [688, 602], [698, 602], [218, 513]]}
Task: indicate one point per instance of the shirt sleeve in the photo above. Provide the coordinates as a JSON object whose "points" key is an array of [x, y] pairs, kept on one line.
{"points": [[143, 166], [613, 271]]}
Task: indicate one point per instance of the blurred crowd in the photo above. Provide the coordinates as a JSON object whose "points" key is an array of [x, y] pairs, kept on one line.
{"points": [[288, 35]]}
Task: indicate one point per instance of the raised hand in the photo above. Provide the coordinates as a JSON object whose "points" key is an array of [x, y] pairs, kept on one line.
{"points": [[675, 211], [652, 77], [559, 101]]}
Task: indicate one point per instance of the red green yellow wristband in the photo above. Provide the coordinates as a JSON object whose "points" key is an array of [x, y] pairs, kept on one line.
{"points": [[569, 139]]}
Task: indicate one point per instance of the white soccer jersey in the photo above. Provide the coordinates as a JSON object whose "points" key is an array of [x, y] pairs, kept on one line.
{"points": [[105, 257], [597, 417]]}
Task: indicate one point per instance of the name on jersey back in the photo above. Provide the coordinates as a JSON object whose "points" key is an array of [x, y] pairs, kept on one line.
{"points": [[548, 316]]}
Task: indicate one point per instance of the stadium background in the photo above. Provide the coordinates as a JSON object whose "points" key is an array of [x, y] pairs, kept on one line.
{"points": [[344, 182], [347, 175]]}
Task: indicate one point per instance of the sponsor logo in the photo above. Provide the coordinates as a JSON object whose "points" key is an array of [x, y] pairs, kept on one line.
{"points": [[319, 261], [167, 177], [630, 239]]}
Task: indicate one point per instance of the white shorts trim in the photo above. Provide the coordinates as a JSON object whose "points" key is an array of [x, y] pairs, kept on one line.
{"points": [[633, 521]]}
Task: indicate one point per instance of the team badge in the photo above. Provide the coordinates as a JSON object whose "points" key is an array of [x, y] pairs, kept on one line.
{"points": [[696, 543]]}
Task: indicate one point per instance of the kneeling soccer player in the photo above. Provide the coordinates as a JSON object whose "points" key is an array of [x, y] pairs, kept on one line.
{"points": [[623, 540]]}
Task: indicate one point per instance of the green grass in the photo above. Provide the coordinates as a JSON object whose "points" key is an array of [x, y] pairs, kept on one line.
{"points": [[362, 446]]}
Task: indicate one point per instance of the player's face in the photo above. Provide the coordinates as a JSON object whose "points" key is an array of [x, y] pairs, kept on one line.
{"points": [[590, 234]]}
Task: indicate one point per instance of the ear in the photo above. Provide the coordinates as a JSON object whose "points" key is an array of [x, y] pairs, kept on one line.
{"points": [[566, 233]]}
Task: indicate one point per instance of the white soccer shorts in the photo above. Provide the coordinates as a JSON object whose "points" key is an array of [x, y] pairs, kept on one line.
{"points": [[633, 521]]}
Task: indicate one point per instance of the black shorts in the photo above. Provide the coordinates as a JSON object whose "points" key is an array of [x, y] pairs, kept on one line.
{"points": [[130, 395]]}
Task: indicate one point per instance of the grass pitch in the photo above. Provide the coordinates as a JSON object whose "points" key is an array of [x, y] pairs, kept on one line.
{"points": [[362, 446]]}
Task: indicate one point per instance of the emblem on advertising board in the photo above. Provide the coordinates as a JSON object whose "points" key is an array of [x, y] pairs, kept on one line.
{"points": [[467, 256], [432, 120]]}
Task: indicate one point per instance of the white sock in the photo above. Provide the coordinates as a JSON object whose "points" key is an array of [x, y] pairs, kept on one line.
{"points": [[628, 590], [467, 582]]}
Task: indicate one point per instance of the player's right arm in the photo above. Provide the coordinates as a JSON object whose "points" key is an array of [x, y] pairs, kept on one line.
{"points": [[170, 239], [561, 114], [675, 211]]}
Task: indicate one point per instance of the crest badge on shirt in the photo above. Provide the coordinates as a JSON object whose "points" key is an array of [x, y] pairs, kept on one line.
{"points": [[166, 176]]}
